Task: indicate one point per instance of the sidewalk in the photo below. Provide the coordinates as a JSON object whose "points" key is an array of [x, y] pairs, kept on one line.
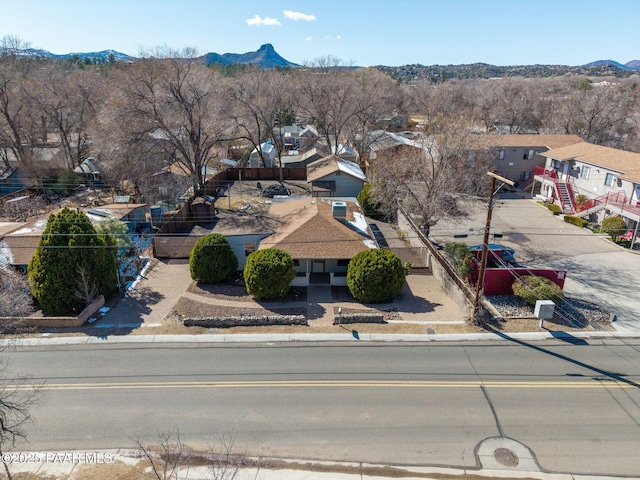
{"points": [[124, 464]]}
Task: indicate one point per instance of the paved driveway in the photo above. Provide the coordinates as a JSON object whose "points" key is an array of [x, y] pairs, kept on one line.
{"points": [[597, 270]]}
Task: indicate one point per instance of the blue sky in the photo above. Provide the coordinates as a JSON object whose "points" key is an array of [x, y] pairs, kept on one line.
{"points": [[361, 32]]}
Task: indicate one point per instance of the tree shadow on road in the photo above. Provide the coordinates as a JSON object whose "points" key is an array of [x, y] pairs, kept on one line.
{"points": [[601, 374]]}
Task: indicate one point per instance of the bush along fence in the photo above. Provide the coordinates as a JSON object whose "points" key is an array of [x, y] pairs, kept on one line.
{"points": [[580, 222]]}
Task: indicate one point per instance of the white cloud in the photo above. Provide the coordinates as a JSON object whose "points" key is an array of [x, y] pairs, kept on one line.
{"points": [[258, 20], [339, 37], [308, 39], [297, 16]]}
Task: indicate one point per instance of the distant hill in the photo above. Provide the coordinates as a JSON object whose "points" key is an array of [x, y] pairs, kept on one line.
{"points": [[265, 57], [608, 63], [96, 57], [440, 73], [633, 65]]}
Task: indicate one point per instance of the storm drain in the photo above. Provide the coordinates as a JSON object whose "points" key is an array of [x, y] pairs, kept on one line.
{"points": [[506, 457]]}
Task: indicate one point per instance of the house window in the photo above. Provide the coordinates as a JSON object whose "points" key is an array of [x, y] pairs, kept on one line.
{"points": [[528, 154], [584, 172], [343, 262], [609, 180], [249, 248], [501, 154], [296, 262]]}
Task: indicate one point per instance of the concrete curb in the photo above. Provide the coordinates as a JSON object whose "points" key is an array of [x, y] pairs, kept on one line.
{"points": [[316, 337]]}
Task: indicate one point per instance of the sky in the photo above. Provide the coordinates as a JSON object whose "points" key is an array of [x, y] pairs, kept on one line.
{"points": [[358, 32]]}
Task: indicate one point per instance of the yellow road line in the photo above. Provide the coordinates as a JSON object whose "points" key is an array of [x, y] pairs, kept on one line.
{"points": [[594, 384]]}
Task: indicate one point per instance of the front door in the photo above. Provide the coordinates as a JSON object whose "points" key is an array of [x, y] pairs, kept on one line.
{"points": [[318, 265]]}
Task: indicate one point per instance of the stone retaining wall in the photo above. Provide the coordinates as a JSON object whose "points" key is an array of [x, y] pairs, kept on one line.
{"points": [[346, 318], [55, 322], [245, 321]]}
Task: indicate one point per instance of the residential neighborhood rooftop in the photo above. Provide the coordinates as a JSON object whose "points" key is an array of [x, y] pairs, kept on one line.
{"points": [[628, 163], [328, 165], [308, 229]]}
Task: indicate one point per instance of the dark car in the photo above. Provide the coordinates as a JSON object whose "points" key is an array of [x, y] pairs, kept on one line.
{"points": [[508, 254]]}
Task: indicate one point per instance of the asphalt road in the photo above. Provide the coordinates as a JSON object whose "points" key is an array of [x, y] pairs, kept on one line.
{"points": [[577, 407]]}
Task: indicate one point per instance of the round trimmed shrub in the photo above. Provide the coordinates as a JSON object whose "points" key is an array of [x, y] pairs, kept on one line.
{"points": [[614, 226], [531, 288], [375, 276], [212, 260], [268, 273]]}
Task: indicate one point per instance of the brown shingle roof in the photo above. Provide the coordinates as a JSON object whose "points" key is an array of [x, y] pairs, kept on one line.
{"points": [[21, 247], [331, 164], [322, 167], [611, 158], [307, 229]]}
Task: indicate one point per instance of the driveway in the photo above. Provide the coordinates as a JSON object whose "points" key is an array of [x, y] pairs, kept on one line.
{"points": [[597, 270]]}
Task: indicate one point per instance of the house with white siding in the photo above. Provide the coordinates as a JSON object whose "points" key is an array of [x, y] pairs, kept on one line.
{"points": [[333, 176]]}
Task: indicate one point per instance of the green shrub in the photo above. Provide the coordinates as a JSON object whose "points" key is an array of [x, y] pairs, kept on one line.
{"points": [[212, 260], [460, 257], [580, 222], [555, 209], [581, 199], [614, 226], [375, 276], [370, 207], [268, 273], [531, 288], [73, 264]]}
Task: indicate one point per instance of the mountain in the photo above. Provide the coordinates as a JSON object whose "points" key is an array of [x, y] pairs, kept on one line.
{"points": [[265, 57], [607, 63], [96, 57], [633, 65], [104, 55]]}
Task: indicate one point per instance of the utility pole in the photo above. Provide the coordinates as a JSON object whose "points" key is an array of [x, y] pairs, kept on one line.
{"points": [[485, 242]]}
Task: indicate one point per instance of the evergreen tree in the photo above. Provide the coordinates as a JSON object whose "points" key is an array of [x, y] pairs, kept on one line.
{"points": [[71, 258]]}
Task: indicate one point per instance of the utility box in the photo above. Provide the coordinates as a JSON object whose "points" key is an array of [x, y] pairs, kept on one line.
{"points": [[544, 309]]}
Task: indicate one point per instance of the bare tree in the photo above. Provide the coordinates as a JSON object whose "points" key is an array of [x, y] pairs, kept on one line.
{"points": [[69, 101], [171, 458], [86, 290], [170, 105], [16, 400], [258, 98], [430, 182], [15, 297], [602, 114], [343, 104]]}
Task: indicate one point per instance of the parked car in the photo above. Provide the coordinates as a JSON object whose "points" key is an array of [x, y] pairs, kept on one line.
{"points": [[508, 254]]}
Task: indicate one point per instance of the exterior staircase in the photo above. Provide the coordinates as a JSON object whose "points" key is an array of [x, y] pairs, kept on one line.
{"points": [[565, 196], [592, 209]]}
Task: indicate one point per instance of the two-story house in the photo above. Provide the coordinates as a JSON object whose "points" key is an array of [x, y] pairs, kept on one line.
{"points": [[608, 178]]}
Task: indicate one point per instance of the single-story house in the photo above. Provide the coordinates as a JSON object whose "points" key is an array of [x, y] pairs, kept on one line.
{"points": [[333, 176], [321, 235], [19, 241]]}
